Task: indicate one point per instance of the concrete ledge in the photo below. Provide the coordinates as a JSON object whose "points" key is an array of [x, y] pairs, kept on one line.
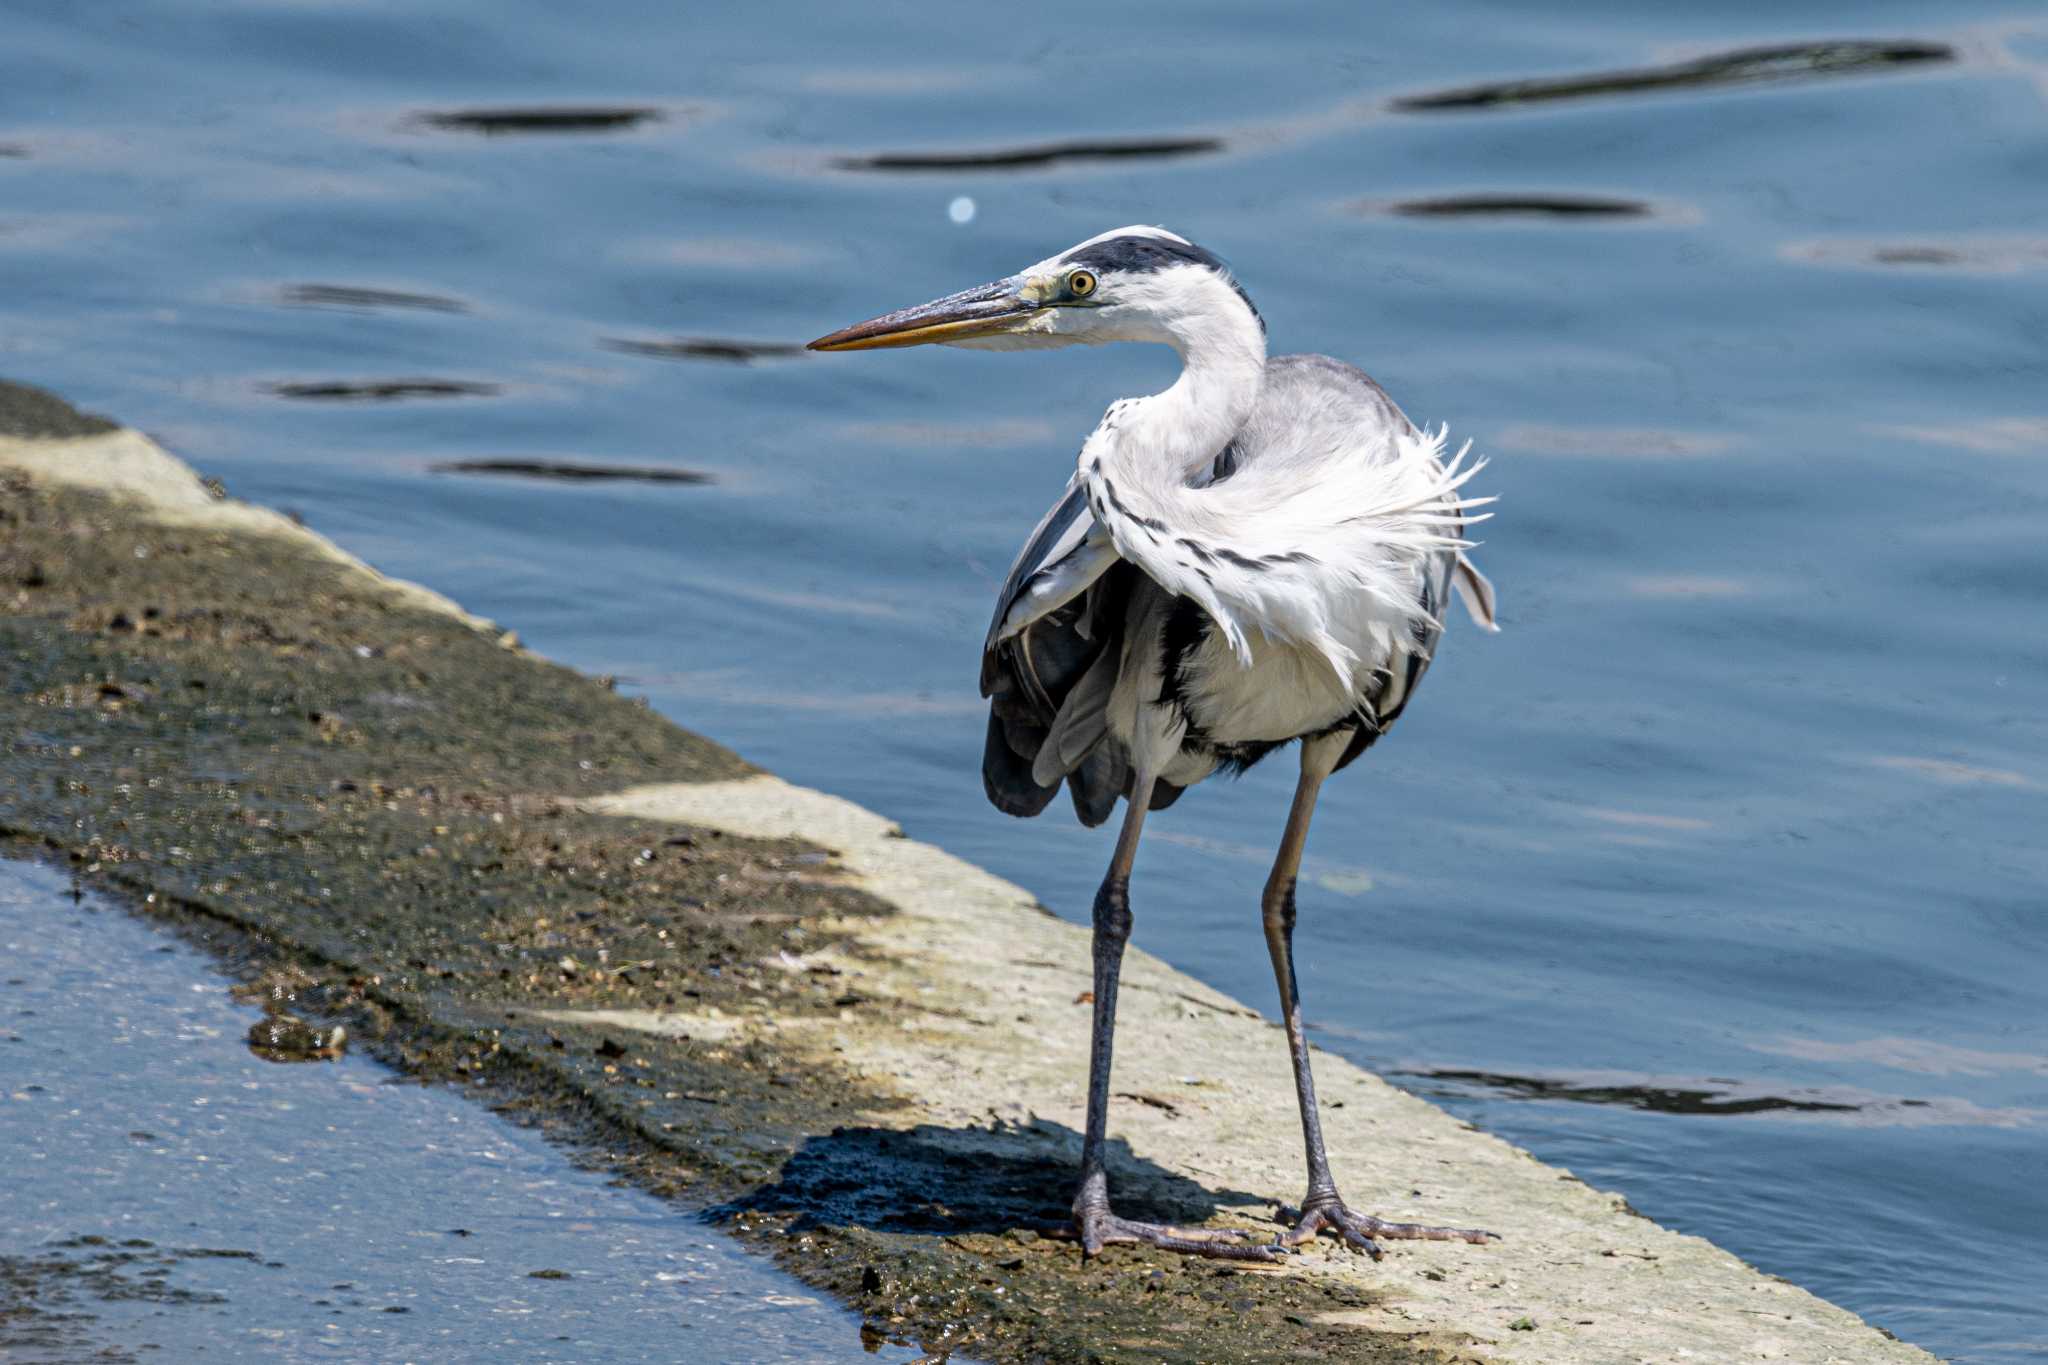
{"points": [[163, 489], [865, 1050], [1206, 1091]]}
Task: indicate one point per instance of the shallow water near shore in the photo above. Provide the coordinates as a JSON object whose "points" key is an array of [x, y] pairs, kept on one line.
{"points": [[169, 1195], [1715, 877]]}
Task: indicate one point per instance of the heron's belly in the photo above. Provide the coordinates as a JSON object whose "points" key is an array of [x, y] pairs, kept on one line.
{"points": [[1284, 693]]}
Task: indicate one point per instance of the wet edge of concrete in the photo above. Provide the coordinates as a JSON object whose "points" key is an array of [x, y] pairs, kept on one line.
{"points": [[861, 1053]]}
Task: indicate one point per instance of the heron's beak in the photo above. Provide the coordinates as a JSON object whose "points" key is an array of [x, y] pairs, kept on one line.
{"points": [[987, 310]]}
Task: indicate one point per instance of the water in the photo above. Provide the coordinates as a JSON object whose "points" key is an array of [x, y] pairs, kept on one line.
{"points": [[185, 1198], [1716, 875]]}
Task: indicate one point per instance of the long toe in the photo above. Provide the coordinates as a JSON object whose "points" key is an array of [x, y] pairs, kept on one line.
{"points": [[1364, 1232], [1099, 1228]]}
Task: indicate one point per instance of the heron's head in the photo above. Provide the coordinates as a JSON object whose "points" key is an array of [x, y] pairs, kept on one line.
{"points": [[1133, 284]]}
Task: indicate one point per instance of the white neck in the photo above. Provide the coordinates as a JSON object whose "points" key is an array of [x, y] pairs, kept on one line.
{"points": [[1160, 441], [1138, 464]]}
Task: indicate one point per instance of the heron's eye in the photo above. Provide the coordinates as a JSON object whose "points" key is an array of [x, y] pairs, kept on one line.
{"points": [[1081, 284]]}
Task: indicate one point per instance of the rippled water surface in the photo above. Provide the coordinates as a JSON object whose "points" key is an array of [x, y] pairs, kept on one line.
{"points": [[169, 1196], [1717, 876]]}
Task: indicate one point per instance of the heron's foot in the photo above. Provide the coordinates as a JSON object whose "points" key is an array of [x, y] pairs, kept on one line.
{"points": [[1361, 1231], [1095, 1227]]}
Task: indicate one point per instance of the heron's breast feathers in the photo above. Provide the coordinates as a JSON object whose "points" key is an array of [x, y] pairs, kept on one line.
{"points": [[1327, 552]]}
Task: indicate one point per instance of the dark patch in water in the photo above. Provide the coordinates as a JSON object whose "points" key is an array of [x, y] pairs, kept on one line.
{"points": [[1916, 255], [13, 151], [365, 300], [1984, 255], [46, 1296], [1520, 206], [1041, 154], [564, 472], [500, 122], [1744, 66], [705, 348], [1660, 1099], [382, 390]]}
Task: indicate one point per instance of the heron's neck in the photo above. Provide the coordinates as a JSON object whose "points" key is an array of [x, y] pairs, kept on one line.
{"points": [[1161, 441]]}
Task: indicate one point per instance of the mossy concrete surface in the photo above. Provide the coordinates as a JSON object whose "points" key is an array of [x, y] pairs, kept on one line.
{"points": [[750, 997]]}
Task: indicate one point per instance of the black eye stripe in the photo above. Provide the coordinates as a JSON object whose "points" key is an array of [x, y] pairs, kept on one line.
{"points": [[1141, 254]]}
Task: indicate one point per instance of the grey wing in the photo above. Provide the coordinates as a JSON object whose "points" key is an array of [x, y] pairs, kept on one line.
{"points": [[1474, 589], [1448, 573], [1384, 704], [1060, 612], [1050, 662], [1066, 553]]}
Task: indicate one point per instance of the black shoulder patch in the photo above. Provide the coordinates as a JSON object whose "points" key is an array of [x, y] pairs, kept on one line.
{"points": [[1140, 255]]}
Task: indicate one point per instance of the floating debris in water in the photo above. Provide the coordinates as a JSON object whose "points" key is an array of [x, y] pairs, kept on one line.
{"points": [[1514, 206], [1981, 255], [1716, 1096], [1745, 66], [382, 390], [570, 119], [365, 300], [1042, 154], [1700, 1097], [961, 210], [566, 472], [705, 348]]}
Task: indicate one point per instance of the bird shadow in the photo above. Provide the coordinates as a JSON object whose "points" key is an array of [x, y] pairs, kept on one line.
{"points": [[939, 1180]]}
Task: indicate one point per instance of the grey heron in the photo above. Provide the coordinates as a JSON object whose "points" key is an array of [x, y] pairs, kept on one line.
{"points": [[1261, 553]]}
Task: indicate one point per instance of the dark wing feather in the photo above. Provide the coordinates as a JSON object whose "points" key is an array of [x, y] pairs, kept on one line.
{"points": [[1027, 676], [1006, 767], [1096, 785], [1436, 591]]}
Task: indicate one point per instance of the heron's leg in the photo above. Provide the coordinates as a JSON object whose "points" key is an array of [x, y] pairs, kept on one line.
{"points": [[1322, 1209], [1094, 1224]]}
